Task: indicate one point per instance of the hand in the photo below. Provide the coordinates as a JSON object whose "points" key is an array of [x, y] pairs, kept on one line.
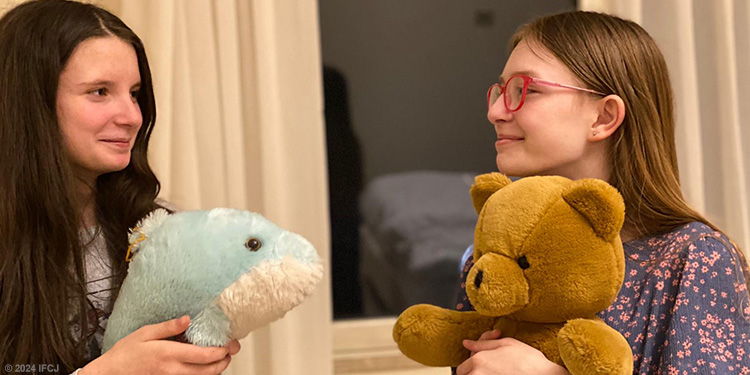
{"points": [[493, 356], [146, 352], [489, 335]]}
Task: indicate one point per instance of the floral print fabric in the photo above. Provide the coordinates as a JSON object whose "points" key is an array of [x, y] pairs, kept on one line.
{"points": [[683, 307]]}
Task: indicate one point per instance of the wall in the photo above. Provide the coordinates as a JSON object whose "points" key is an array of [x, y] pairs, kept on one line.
{"points": [[418, 71]]}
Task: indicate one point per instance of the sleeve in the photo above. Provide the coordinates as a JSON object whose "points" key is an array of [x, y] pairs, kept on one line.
{"points": [[709, 330], [467, 253], [462, 300]]}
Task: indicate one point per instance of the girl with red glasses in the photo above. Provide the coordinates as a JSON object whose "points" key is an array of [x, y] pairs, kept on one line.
{"points": [[587, 95]]}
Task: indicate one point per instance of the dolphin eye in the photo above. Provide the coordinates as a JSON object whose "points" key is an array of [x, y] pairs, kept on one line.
{"points": [[523, 262], [253, 244]]}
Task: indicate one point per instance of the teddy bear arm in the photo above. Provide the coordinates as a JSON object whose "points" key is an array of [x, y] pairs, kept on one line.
{"points": [[590, 347], [433, 336]]}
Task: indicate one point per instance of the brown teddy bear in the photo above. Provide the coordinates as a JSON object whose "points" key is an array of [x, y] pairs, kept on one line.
{"points": [[548, 257]]}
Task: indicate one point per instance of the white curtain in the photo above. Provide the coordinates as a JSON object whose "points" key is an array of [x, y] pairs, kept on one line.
{"points": [[707, 46], [240, 124]]}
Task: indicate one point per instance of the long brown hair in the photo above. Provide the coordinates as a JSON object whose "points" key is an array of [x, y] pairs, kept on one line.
{"points": [[616, 56], [42, 276]]}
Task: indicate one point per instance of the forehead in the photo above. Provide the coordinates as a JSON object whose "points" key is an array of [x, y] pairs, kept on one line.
{"points": [[102, 58], [535, 60]]}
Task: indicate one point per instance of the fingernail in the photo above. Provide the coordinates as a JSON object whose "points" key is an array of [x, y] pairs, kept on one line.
{"points": [[184, 319]]}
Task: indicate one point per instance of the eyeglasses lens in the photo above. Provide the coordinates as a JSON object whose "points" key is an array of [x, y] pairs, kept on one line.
{"points": [[514, 94]]}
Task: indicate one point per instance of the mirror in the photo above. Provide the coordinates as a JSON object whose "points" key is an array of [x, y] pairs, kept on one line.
{"points": [[405, 91]]}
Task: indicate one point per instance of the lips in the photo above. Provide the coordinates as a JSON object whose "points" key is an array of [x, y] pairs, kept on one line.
{"points": [[503, 140], [118, 142], [501, 137]]}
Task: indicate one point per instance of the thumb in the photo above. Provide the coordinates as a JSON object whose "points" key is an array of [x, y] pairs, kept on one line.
{"points": [[162, 330], [478, 346]]}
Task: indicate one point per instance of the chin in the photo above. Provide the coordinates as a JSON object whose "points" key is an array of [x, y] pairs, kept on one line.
{"points": [[508, 169], [515, 170], [113, 167]]}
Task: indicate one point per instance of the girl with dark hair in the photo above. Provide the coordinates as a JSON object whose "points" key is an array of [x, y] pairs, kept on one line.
{"points": [[76, 114], [587, 95]]}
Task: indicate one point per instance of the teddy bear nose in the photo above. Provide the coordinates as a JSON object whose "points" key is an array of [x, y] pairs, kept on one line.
{"points": [[478, 279], [523, 262]]}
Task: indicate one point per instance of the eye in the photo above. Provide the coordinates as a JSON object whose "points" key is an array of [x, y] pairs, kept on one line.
{"points": [[253, 244], [523, 262], [99, 92]]}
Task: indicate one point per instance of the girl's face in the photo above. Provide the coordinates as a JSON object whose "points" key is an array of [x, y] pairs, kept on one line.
{"points": [[96, 106], [550, 134]]}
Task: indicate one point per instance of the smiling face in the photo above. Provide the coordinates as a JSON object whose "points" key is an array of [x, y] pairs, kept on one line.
{"points": [[98, 114], [549, 135]]}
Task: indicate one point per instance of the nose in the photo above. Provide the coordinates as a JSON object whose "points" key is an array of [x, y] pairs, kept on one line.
{"points": [[497, 112], [478, 279], [129, 112]]}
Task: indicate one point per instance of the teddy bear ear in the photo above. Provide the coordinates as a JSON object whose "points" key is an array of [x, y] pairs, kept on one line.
{"points": [[600, 203], [484, 186]]}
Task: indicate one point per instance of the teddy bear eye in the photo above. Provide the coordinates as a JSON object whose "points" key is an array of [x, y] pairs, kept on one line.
{"points": [[523, 262], [253, 244]]}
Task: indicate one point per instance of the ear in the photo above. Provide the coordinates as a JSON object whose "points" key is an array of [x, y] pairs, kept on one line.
{"points": [[599, 203], [484, 186], [147, 225], [611, 115]]}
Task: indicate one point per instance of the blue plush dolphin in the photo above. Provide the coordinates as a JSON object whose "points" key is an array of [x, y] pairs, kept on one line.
{"points": [[232, 271]]}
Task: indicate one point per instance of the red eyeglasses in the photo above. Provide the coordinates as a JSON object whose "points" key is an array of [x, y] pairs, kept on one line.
{"points": [[515, 91]]}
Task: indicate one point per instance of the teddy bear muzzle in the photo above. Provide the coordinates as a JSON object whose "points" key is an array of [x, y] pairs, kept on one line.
{"points": [[497, 286]]}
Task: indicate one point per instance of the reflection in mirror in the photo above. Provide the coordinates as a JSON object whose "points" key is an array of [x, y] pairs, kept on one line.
{"points": [[405, 105]]}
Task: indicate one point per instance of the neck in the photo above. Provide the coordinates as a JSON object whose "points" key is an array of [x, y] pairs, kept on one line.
{"points": [[594, 164], [83, 200], [628, 232]]}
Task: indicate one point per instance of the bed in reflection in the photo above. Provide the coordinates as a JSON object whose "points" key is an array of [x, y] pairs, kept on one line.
{"points": [[415, 228]]}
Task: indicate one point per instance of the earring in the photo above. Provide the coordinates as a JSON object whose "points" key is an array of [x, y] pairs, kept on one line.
{"points": [[594, 134]]}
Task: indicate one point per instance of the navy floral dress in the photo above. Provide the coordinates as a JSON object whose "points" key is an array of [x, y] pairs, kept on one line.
{"points": [[683, 307]]}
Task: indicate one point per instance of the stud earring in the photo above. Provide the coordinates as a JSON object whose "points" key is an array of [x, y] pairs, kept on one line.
{"points": [[594, 134]]}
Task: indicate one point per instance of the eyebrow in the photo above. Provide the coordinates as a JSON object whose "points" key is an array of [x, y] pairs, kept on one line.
{"points": [[530, 73], [106, 83]]}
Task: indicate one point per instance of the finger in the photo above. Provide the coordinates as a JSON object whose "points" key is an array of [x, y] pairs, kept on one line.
{"points": [[490, 335], [465, 367], [189, 353], [478, 346], [234, 347], [220, 366], [161, 330], [213, 368]]}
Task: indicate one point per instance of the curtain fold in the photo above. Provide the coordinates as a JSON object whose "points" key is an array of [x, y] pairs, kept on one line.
{"points": [[707, 48]]}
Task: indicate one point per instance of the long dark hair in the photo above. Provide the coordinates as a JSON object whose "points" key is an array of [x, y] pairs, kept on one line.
{"points": [[42, 280], [612, 55]]}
